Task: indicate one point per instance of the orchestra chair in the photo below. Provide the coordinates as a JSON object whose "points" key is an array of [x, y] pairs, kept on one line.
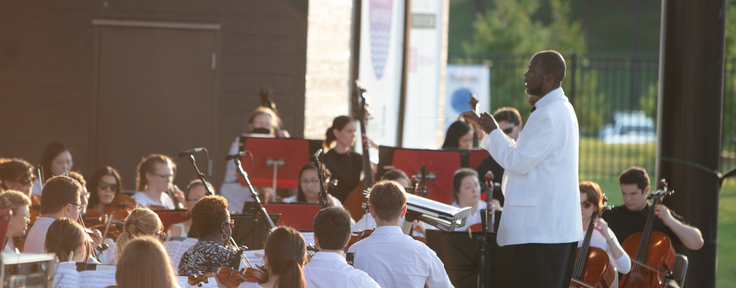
{"points": [[679, 269]]}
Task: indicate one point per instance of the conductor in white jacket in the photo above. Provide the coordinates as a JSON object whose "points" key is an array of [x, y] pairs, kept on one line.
{"points": [[541, 215]]}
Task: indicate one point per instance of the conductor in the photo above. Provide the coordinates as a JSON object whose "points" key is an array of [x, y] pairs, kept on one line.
{"points": [[541, 215]]}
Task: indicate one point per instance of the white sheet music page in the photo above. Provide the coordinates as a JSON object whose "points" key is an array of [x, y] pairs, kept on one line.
{"points": [[97, 279]]}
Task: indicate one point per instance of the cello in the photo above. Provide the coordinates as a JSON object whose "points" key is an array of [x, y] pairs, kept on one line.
{"points": [[355, 200], [651, 251], [592, 266]]}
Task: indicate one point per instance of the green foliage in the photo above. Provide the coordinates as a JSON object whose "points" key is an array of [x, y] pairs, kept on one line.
{"points": [[590, 104]]}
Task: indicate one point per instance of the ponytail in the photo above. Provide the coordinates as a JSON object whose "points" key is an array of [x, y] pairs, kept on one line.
{"points": [[338, 123], [286, 252], [292, 277]]}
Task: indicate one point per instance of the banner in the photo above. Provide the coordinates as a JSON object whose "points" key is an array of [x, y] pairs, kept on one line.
{"points": [[460, 81]]}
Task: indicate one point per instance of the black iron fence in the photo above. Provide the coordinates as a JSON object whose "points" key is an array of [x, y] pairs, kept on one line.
{"points": [[615, 98]]}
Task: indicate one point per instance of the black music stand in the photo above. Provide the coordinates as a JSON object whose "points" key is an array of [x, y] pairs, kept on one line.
{"points": [[458, 253], [251, 230]]}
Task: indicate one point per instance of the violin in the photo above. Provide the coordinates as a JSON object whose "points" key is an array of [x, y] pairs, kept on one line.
{"points": [[199, 278], [592, 266], [491, 208], [651, 251], [355, 200]]}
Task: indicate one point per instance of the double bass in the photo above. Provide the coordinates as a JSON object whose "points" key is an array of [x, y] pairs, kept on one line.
{"points": [[651, 251], [355, 200], [592, 266]]}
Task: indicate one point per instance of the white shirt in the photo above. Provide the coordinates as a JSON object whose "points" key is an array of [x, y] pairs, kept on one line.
{"points": [[473, 219], [328, 269], [144, 200], [541, 178], [231, 189], [36, 190], [37, 235], [292, 199], [396, 260], [597, 240]]}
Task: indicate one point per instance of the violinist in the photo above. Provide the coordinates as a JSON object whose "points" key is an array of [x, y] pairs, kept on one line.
{"points": [[346, 166], [195, 191], [459, 136], [390, 257], [368, 223], [56, 160], [140, 222], [155, 176], [591, 201], [104, 186], [328, 267], [631, 217], [65, 236], [145, 264], [262, 122], [466, 193], [308, 189], [286, 253], [509, 121], [18, 203], [214, 227], [84, 196], [60, 198], [16, 174]]}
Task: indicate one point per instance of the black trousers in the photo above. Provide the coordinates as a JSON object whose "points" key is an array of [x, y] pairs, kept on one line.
{"points": [[544, 265]]}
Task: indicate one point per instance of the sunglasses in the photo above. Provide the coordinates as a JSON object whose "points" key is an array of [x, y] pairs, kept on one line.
{"points": [[508, 131], [104, 185], [26, 181]]}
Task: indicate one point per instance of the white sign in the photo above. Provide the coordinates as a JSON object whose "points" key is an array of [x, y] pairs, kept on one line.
{"points": [[461, 80]]}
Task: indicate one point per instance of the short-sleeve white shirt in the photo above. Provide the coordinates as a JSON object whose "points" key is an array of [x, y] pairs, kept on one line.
{"points": [[144, 200]]}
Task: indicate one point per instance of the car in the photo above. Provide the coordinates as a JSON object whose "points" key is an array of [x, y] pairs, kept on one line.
{"points": [[629, 127]]}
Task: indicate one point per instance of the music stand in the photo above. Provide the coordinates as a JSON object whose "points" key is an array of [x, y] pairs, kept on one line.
{"points": [[442, 164], [251, 230], [300, 216], [459, 254], [276, 161]]}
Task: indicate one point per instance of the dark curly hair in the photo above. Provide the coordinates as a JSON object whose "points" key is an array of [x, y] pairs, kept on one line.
{"points": [[208, 214]]}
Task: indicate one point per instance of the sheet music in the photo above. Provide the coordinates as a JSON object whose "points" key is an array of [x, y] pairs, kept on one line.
{"points": [[176, 249], [254, 256], [66, 278], [97, 279], [308, 237], [183, 282]]}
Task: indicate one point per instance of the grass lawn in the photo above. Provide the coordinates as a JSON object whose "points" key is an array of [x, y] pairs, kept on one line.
{"points": [[602, 163]]}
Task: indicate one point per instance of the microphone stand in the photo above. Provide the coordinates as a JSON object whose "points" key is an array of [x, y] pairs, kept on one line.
{"points": [[253, 192], [201, 176], [322, 191]]}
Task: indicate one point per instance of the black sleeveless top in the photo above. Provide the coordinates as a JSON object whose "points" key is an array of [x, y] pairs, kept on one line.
{"points": [[346, 168]]}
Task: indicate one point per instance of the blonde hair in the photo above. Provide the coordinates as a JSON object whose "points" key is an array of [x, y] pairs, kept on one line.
{"points": [[140, 222], [145, 264], [11, 200], [147, 166], [275, 119]]}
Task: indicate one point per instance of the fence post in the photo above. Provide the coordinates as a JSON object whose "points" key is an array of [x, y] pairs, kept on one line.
{"points": [[571, 96]]}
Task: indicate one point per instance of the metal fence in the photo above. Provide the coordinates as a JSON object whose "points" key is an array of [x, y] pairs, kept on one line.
{"points": [[615, 98]]}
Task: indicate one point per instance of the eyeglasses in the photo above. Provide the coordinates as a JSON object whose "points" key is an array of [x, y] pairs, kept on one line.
{"points": [[161, 236], [231, 223], [104, 185], [26, 181], [585, 204], [79, 206], [508, 131]]}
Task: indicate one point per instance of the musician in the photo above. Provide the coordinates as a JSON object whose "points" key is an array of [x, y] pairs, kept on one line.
{"points": [[308, 189], [155, 176], [195, 191], [59, 199], [509, 121], [16, 174], [56, 160], [262, 122], [328, 267], [65, 236], [346, 166], [466, 193], [214, 227], [140, 222], [459, 136], [390, 257], [84, 196], [591, 201], [286, 254], [631, 217], [541, 215], [367, 222], [145, 264], [17, 203]]}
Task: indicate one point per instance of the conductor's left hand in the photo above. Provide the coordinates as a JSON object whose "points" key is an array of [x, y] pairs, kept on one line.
{"points": [[485, 122]]}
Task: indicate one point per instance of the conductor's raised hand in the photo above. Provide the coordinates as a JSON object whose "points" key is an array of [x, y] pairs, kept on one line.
{"points": [[485, 122]]}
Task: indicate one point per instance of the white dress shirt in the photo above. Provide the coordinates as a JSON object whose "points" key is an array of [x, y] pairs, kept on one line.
{"points": [[329, 269], [396, 260], [597, 240], [541, 178], [143, 199], [37, 235]]}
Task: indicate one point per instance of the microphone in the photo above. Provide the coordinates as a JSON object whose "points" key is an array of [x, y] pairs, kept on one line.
{"points": [[190, 152], [236, 155], [315, 157]]}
